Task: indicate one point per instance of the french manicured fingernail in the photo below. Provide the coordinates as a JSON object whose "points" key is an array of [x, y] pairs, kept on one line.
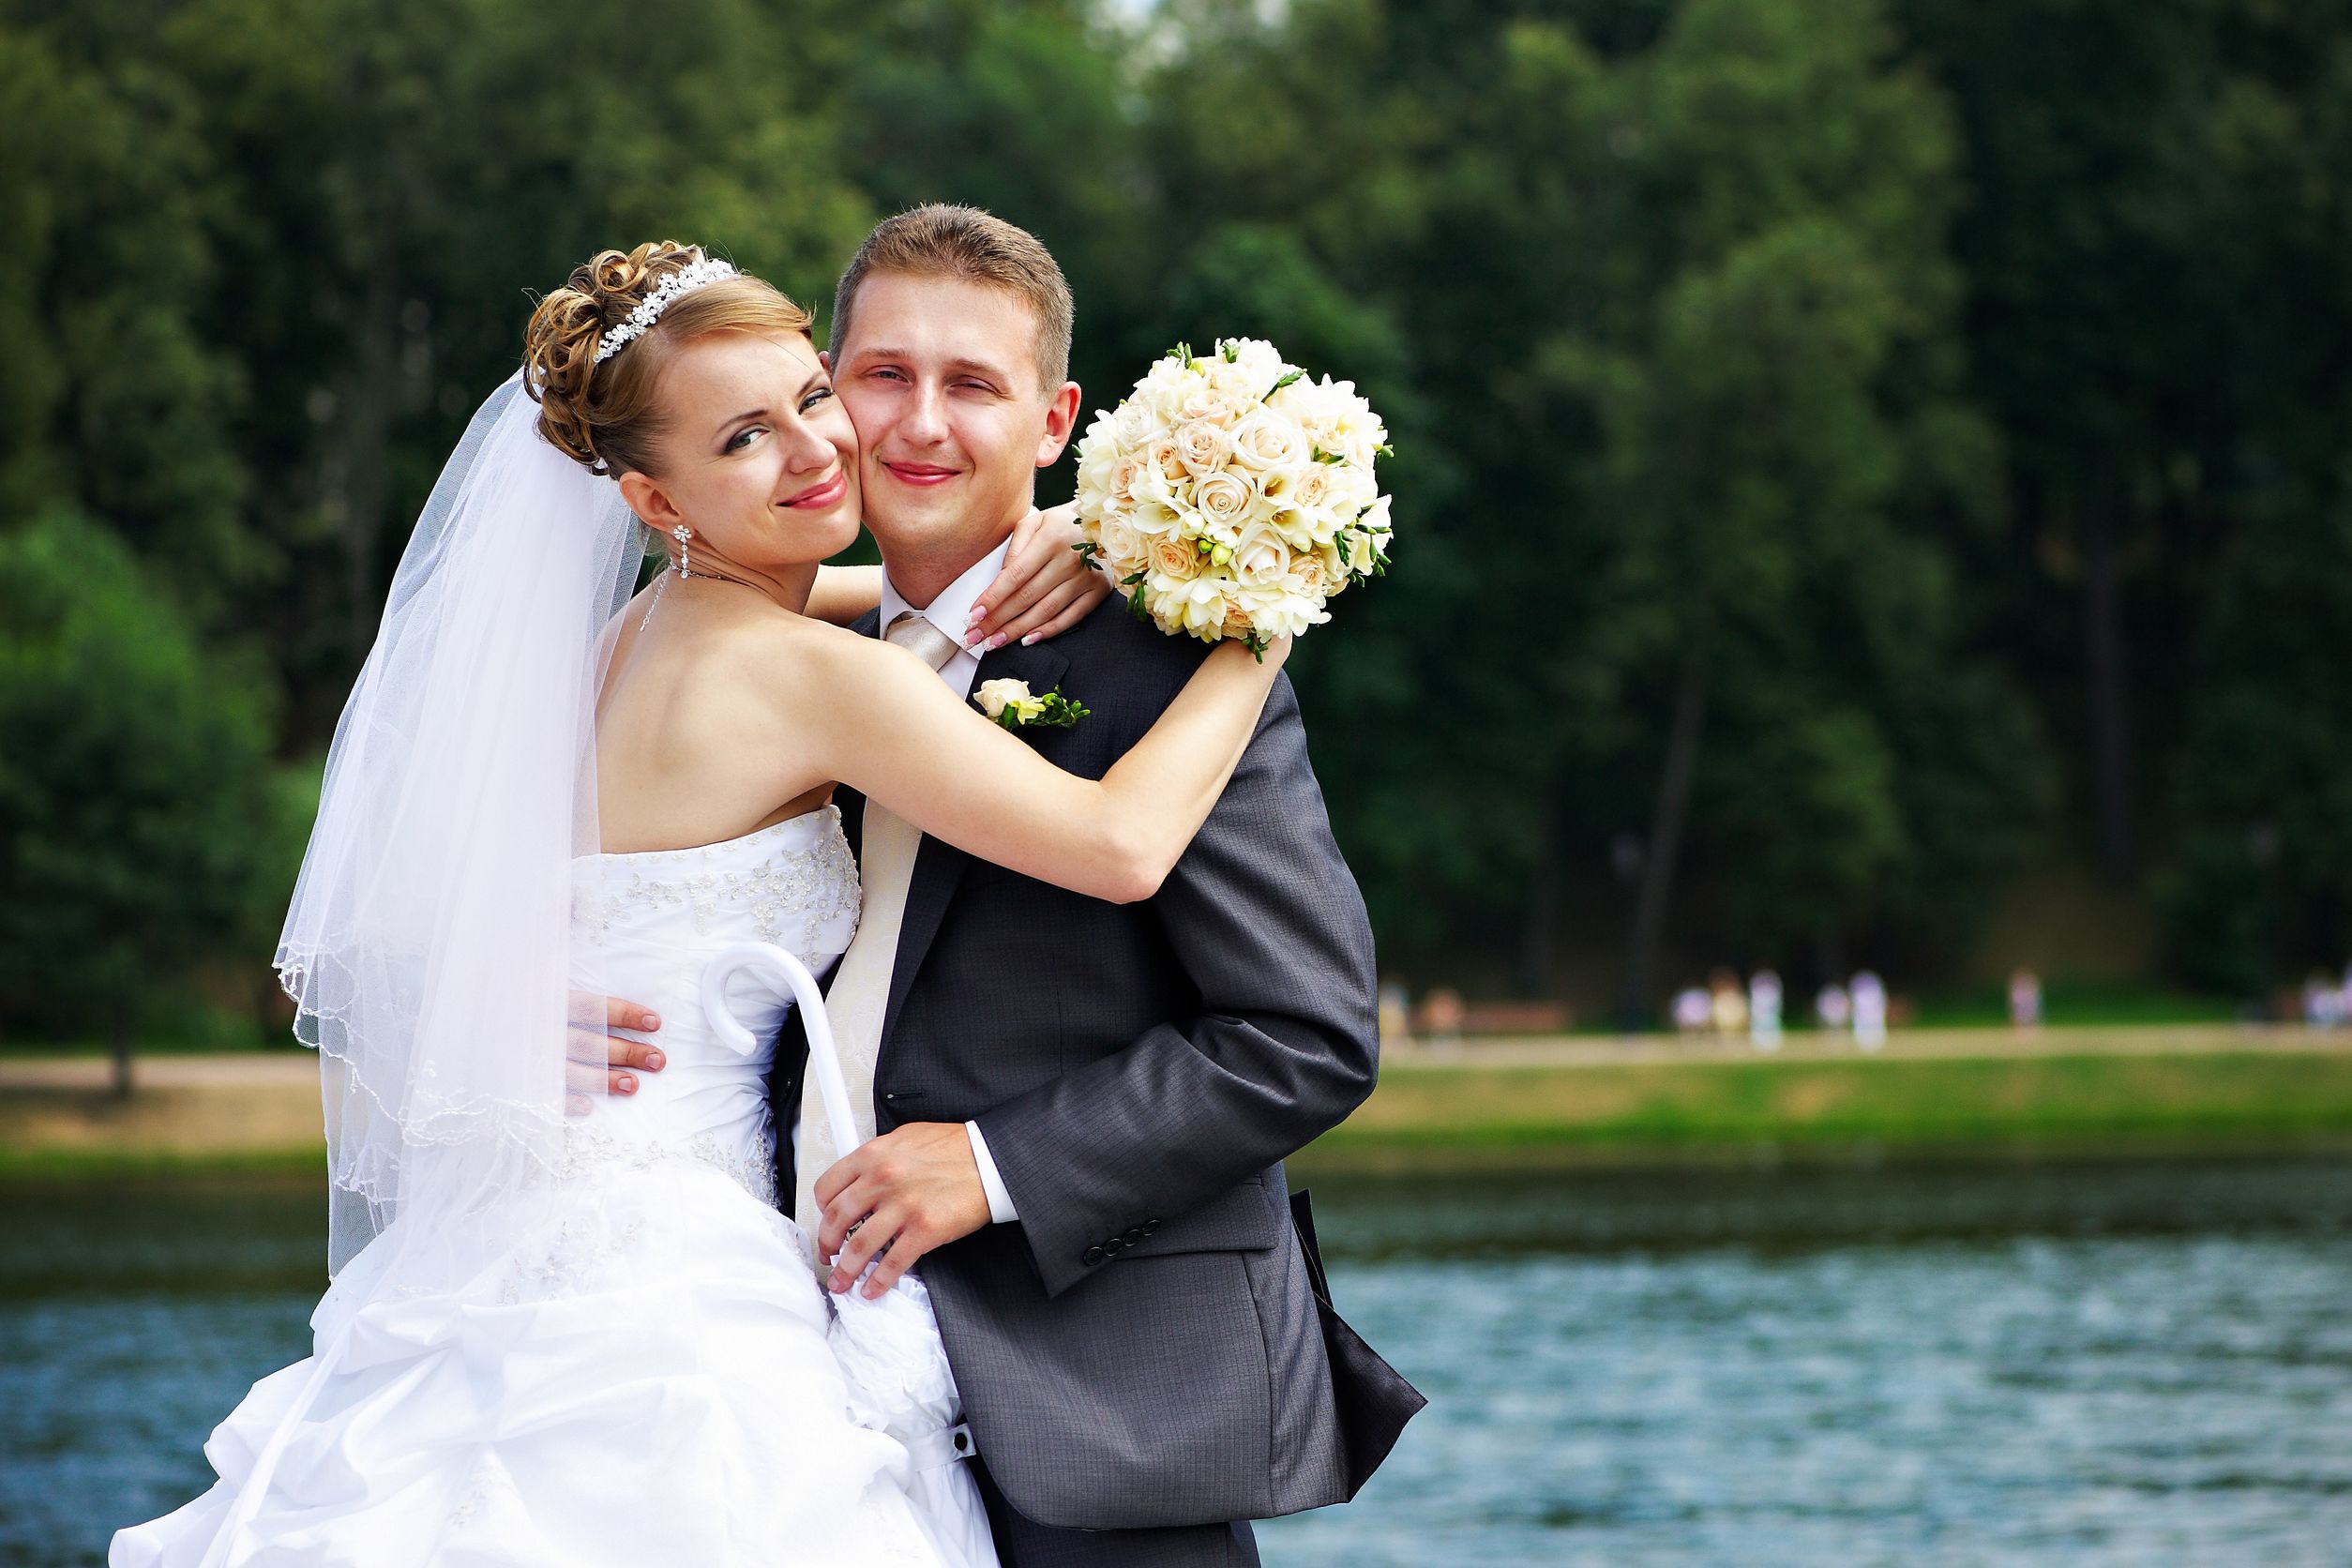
{"points": [[654, 1059], [1031, 638], [650, 1022], [995, 642], [979, 613]]}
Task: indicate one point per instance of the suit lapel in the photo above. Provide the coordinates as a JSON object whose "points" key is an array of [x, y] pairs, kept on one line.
{"points": [[939, 867], [853, 804]]}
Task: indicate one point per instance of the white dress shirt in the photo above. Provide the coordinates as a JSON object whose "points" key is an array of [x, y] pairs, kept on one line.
{"points": [[948, 613]]}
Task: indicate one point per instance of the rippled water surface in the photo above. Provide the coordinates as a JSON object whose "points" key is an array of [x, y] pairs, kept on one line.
{"points": [[2084, 1366]]}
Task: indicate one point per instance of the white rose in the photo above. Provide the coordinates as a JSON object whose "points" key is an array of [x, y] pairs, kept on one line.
{"points": [[995, 695], [1261, 560], [1131, 425], [1268, 441], [1166, 458], [1311, 490], [1202, 447], [1225, 501], [1123, 478], [1171, 556], [1207, 401], [1122, 546]]}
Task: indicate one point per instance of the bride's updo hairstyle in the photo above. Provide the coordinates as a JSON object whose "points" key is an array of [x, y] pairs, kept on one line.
{"points": [[604, 415]]}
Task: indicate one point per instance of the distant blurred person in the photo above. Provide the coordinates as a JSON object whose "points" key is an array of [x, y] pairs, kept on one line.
{"points": [[1764, 1005], [2025, 1000], [1693, 1010], [1870, 1010], [1832, 1008], [1441, 1015], [1727, 1005], [1396, 1024]]}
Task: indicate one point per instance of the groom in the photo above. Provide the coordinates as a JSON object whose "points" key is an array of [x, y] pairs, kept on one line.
{"points": [[1083, 1107]]}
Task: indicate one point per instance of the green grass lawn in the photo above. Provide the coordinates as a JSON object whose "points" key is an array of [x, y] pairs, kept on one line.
{"points": [[1680, 1111]]}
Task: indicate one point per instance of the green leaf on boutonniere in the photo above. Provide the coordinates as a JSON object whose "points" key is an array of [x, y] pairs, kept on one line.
{"points": [[1060, 712], [1008, 702]]}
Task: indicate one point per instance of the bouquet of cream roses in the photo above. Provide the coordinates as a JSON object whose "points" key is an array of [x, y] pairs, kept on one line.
{"points": [[1231, 495]]}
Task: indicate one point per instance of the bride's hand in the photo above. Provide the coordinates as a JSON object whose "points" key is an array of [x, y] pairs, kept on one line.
{"points": [[1046, 587]]}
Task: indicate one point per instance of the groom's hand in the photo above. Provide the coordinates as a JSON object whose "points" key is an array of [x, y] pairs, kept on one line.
{"points": [[598, 1062], [910, 1190]]}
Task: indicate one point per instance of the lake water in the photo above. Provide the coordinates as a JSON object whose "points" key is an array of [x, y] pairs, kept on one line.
{"points": [[2086, 1365]]}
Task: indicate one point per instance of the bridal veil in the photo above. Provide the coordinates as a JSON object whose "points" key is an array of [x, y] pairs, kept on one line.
{"points": [[429, 947]]}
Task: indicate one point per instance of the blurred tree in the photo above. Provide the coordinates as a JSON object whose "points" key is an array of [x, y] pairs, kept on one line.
{"points": [[1680, 434], [1025, 110], [1786, 452], [1778, 385], [2262, 892], [142, 830], [114, 401], [2114, 247], [407, 176]]}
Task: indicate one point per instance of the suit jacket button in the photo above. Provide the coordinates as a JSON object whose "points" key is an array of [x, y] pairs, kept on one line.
{"points": [[1132, 1237], [1093, 1256], [1112, 1244], [1150, 1226]]}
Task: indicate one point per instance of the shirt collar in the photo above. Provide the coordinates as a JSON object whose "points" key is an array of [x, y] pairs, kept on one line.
{"points": [[952, 606]]}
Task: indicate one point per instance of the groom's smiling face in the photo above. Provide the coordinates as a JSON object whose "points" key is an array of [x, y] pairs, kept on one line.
{"points": [[939, 376]]}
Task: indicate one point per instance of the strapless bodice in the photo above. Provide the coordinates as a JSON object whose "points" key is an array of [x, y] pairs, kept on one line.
{"points": [[646, 925]]}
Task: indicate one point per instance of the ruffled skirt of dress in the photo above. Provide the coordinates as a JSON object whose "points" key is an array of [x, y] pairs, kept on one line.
{"points": [[641, 1377]]}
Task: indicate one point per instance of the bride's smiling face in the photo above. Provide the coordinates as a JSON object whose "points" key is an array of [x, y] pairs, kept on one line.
{"points": [[755, 453]]}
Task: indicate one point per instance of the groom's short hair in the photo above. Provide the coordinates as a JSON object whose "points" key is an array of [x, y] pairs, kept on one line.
{"points": [[942, 240]]}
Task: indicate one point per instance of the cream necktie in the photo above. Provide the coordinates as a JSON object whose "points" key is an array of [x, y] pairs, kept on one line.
{"points": [[861, 988]]}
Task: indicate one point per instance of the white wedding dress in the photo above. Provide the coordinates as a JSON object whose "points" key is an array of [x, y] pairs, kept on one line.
{"points": [[642, 1376]]}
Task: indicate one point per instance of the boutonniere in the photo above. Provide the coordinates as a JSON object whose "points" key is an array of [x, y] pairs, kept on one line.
{"points": [[1009, 703]]}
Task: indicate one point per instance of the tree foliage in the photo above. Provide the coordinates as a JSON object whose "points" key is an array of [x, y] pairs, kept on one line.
{"points": [[142, 820], [1846, 448]]}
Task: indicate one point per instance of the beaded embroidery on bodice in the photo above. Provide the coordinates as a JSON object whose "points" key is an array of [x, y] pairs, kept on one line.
{"points": [[648, 925]]}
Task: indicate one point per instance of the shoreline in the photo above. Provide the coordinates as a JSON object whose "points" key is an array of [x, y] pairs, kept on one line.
{"points": [[1572, 1103]]}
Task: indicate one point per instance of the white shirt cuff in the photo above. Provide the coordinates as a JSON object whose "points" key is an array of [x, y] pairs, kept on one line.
{"points": [[999, 1201]]}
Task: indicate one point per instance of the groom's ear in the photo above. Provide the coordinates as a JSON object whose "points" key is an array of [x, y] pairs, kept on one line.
{"points": [[824, 357], [1061, 413]]}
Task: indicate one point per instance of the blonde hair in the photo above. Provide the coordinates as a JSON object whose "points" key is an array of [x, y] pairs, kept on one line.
{"points": [[605, 415], [945, 241]]}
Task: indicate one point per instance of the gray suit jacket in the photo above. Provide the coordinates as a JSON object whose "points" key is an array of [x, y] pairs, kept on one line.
{"points": [[1145, 1347]]}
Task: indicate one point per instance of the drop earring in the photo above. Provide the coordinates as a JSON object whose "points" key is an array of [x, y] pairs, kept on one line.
{"points": [[685, 536]]}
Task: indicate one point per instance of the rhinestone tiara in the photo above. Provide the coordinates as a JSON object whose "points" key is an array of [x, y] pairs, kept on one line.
{"points": [[666, 292]]}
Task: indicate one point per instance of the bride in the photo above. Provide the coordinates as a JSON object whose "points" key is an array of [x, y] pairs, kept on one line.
{"points": [[556, 1338]]}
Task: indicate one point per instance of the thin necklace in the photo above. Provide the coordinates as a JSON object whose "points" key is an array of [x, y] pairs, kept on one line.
{"points": [[663, 586]]}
